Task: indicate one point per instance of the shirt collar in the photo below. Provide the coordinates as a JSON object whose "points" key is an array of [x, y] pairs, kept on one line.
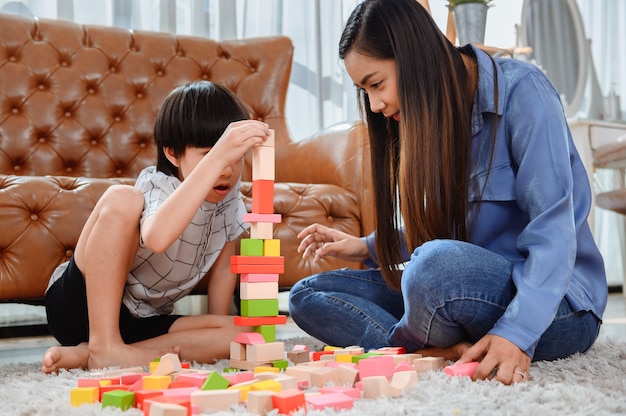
{"points": [[484, 96]]}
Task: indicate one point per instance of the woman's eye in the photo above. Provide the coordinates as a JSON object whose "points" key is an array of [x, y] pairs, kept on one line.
{"points": [[375, 85]]}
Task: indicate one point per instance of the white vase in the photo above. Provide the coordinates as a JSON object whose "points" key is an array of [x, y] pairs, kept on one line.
{"points": [[470, 20]]}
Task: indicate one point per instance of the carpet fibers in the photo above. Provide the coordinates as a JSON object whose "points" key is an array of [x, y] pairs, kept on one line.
{"points": [[585, 384]]}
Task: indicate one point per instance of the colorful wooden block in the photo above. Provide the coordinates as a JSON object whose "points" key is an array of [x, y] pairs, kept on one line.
{"points": [[297, 357], [251, 246], [208, 401], [167, 409], [428, 364], [260, 320], [288, 401], [259, 307], [258, 277], [121, 399], [376, 366], [247, 365], [254, 260], [215, 381], [263, 290], [260, 402], [262, 230], [268, 351], [194, 379], [330, 400], [252, 217], [268, 332], [168, 364], [263, 163], [237, 351], [142, 395], [257, 268], [153, 382], [465, 369], [84, 395], [271, 247], [263, 196], [249, 338]]}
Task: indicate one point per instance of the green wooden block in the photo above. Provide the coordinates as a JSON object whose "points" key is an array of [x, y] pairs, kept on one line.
{"points": [[359, 357], [259, 307], [251, 247], [119, 398], [268, 332], [214, 381], [282, 364]]}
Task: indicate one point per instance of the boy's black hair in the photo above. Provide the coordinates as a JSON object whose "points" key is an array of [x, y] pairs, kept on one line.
{"points": [[194, 115]]}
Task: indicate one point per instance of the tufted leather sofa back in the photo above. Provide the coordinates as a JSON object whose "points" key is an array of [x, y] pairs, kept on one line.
{"points": [[81, 100]]}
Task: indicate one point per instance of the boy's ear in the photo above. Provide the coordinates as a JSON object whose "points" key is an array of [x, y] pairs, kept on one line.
{"points": [[169, 154]]}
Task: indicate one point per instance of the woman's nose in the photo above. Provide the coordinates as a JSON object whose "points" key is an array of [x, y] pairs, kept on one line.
{"points": [[377, 105]]}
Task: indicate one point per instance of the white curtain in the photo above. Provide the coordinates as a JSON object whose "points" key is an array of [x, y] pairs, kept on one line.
{"points": [[320, 93]]}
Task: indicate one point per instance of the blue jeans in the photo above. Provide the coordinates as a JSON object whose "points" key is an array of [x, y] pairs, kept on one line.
{"points": [[451, 292]]}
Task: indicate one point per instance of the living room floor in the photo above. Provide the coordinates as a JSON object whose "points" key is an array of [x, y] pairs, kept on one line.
{"points": [[28, 343]]}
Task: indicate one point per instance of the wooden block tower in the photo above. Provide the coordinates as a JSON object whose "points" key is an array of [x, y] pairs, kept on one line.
{"points": [[259, 264]]}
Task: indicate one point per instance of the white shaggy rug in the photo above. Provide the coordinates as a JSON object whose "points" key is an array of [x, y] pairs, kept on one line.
{"points": [[589, 384]]}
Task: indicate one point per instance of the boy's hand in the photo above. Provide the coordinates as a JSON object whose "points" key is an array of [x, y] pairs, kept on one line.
{"points": [[238, 138]]}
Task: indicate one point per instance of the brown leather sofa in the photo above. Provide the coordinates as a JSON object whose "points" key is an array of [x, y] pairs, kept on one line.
{"points": [[77, 105]]}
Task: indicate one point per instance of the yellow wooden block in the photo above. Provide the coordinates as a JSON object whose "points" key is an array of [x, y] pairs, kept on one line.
{"points": [[263, 368], [271, 385], [156, 382], [83, 395], [271, 247]]}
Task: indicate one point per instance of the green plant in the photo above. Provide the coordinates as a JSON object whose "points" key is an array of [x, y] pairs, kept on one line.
{"points": [[453, 3]]}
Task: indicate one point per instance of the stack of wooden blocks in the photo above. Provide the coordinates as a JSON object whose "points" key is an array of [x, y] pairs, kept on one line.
{"points": [[259, 265]]}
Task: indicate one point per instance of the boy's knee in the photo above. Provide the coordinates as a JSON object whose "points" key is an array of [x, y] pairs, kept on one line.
{"points": [[124, 200]]}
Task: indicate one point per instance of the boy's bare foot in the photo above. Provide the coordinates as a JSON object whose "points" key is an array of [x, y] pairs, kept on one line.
{"points": [[56, 358], [124, 355]]}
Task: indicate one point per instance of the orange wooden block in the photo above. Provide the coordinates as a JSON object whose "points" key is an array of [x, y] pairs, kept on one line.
{"points": [[260, 320], [288, 401], [263, 196]]}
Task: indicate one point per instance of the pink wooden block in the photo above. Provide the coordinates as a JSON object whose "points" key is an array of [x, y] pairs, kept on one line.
{"points": [[194, 379], [259, 290], [258, 277], [254, 217], [465, 369], [403, 366], [376, 366], [239, 377], [348, 391], [249, 338], [332, 400]]}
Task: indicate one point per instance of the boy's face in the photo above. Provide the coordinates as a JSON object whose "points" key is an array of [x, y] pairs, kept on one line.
{"points": [[228, 177]]}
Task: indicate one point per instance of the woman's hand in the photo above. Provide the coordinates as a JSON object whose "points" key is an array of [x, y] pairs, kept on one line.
{"points": [[319, 241], [499, 358]]}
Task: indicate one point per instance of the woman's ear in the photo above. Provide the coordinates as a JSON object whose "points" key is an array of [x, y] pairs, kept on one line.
{"points": [[169, 154]]}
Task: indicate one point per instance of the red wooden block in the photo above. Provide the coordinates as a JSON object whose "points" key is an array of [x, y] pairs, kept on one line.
{"points": [[257, 260], [142, 395], [316, 355], [263, 196], [256, 268], [185, 402], [288, 401], [260, 320]]}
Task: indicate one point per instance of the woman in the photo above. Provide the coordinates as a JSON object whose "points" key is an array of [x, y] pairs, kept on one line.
{"points": [[492, 259]]}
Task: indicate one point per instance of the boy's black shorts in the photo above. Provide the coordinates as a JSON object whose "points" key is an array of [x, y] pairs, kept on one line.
{"points": [[66, 309]]}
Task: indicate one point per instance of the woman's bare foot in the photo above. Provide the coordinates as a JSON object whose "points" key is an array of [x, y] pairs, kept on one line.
{"points": [[451, 353], [123, 355], [56, 358]]}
